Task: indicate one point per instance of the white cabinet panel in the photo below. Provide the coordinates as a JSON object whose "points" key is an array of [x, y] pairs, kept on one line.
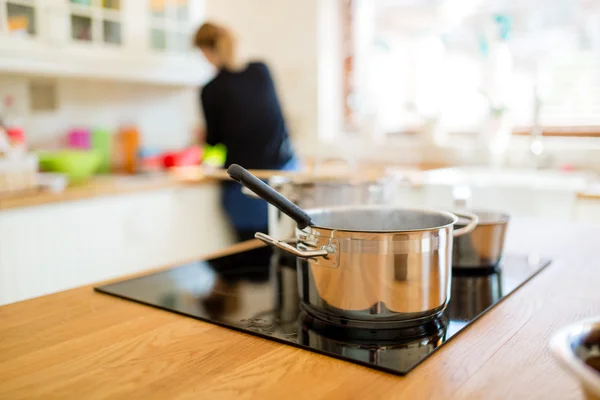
{"points": [[101, 39], [200, 221], [56, 247], [587, 210]]}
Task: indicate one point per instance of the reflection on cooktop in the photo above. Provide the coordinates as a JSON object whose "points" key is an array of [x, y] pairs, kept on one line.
{"points": [[256, 291]]}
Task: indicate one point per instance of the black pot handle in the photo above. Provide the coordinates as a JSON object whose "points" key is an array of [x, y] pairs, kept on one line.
{"points": [[269, 194]]}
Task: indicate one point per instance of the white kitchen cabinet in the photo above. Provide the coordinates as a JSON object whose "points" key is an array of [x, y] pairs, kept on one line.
{"points": [[587, 210], [199, 221], [55, 247], [132, 40]]}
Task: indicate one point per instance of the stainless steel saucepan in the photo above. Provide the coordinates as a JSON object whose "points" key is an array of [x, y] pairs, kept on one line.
{"points": [[482, 248], [368, 263]]}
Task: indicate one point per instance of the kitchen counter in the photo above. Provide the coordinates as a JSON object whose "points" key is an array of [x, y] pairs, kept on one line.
{"points": [[98, 186], [592, 192], [589, 195], [82, 344], [111, 185]]}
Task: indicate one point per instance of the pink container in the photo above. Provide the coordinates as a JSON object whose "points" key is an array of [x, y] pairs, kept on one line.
{"points": [[79, 139]]}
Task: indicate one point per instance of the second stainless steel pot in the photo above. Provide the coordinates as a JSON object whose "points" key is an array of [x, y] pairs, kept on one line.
{"points": [[483, 247]]}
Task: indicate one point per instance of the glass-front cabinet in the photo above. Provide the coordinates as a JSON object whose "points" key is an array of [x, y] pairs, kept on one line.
{"points": [[98, 21], [82, 37], [170, 25], [21, 20]]}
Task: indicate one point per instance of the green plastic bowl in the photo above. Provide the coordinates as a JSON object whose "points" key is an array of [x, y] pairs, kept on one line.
{"points": [[79, 166]]}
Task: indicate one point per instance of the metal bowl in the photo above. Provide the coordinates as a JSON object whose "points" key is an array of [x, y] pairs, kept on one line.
{"points": [[577, 348]]}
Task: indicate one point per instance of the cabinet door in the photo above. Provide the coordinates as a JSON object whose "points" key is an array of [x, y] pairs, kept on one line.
{"points": [[172, 23], [95, 22], [60, 246], [37, 28], [22, 25], [200, 223]]}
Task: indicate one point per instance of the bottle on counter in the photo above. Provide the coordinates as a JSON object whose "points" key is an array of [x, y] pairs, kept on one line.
{"points": [[127, 145], [102, 144]]}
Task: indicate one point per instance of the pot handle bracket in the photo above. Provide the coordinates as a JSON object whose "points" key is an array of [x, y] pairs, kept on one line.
{"points": [[473, 221], [325, 256]]}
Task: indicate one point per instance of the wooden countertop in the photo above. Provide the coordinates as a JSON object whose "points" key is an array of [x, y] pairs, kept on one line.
{"points": [[592, 193], [588, 196], [111, 185], [97, 186], [82, 344]]}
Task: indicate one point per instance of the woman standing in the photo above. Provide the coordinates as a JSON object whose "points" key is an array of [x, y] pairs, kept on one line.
{"points": [[242, 111]]}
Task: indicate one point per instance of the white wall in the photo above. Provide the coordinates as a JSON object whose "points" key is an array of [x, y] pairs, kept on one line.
{"points": [[283, 34], [166, 116], [330, 67]]}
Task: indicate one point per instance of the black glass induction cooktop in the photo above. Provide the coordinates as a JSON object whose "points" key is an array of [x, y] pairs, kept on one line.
{"points": [[256, 292]]}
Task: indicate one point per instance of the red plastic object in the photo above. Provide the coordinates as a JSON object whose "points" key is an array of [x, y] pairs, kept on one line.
{"points": [[153, 162], [190, 156], [16, 135]]}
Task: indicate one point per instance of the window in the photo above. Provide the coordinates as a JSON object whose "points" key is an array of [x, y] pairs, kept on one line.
{"points": [[460, 64]]}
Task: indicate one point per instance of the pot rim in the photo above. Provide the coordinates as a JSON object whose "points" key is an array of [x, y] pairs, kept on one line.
{"points": [[303, 181], [503, 217], [436, 211]]}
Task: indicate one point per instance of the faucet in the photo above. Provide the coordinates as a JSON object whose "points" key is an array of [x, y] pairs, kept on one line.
{"points": [[536, 147]]}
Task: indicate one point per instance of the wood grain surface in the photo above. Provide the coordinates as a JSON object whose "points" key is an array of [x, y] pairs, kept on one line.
{"points": [[589, 195], [111, 185], [99, 186], [80, 344]]}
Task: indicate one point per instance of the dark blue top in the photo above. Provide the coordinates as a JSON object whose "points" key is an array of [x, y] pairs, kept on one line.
{"points": [[242, 111]]}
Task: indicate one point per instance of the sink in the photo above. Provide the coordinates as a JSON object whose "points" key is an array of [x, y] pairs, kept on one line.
{"points": [[482, 177], [521, 192]]}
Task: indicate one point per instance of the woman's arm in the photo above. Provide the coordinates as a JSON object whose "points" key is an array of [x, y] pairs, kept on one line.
{"points": [[212, 136]]}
